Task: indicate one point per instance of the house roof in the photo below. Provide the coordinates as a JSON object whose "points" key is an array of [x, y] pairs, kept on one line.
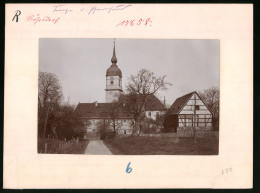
{"points": [[106, 110], [101, 110], [154, 104], [180, 102]]}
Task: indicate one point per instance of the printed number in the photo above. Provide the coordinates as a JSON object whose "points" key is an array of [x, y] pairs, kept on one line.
{"points": [[128, 168]]}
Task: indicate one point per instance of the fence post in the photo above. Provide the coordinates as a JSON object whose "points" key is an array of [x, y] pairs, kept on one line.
{"points": [[45, 148]]}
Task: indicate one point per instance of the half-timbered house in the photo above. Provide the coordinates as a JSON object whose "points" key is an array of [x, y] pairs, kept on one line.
{"points": [[190, 111]]}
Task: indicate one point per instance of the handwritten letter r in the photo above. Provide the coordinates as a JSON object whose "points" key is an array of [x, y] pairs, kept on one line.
{"points": [[17, 13]]}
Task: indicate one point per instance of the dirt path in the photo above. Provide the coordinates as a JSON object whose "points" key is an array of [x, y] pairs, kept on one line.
{"points": [[97, 147]]}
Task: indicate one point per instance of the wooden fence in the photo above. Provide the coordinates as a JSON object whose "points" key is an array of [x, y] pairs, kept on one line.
{"points": [[198, 133], [56, 146], [186, 133]]}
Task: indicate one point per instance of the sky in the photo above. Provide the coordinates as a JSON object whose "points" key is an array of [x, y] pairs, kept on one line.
{"points": [[81, 64]]}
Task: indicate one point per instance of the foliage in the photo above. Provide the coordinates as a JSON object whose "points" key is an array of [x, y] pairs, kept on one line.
{"points": [[56, 118], [170, 123], [105, 132], [69, 124], [153, 126]]}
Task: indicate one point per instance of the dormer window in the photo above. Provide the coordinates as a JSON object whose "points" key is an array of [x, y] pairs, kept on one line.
{"points": [[111, 81]]}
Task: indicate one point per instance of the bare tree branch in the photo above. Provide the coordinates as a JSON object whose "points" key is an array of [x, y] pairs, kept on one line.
{"points": [[139, 87]]}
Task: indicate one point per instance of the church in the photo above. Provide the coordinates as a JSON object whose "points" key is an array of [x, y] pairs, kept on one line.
{"points": [[111, 112]]}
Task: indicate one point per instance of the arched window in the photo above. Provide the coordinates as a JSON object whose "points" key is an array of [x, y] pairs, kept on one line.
{"points": [[111, 81]]}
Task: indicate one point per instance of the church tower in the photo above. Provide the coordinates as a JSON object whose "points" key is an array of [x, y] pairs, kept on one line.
{"points": [[113, 80]]}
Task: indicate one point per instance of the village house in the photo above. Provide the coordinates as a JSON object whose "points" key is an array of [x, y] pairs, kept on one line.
{"points": [[189, 111], [112, 111]]}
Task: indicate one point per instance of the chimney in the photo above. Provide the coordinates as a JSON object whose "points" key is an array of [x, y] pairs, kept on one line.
{"points": [[164, 102], [96, 103]]}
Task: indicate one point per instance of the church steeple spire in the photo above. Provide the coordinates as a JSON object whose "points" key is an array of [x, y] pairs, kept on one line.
{"points": [[114, 59]]}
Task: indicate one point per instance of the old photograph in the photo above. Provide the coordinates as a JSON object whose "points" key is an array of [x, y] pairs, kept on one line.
{"points": [[128, 96]]}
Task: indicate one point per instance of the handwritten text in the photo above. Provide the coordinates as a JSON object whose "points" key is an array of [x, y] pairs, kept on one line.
{"points": [[90, 10], [227, 170], [94, 9], [128, 168], [60, 8], [17, 13], [37, 19]]}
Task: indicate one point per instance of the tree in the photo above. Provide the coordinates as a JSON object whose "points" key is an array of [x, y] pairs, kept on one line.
{"points": [[211, 98], [139, 87], [69, 124], [49, 97], [104, 131], [114, 120]]}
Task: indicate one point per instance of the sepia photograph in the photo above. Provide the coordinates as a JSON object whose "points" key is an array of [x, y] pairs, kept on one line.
{"points": [[115, 96], [128, 96]]}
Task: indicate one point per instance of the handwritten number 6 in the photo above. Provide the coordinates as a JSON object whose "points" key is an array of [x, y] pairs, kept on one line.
{"points": [[128, 168]]}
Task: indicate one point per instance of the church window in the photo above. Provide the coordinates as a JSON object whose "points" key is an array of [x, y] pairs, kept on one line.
{"points": [[111, 80]]}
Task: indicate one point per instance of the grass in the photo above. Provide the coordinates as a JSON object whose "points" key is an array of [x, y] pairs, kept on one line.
{"points": [[55, 146], [136, 145]]}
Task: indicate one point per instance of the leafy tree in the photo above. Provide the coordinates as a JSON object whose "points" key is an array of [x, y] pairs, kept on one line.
{"points": [[69, 124]]}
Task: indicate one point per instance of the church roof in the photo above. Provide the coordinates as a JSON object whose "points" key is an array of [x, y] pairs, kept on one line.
{"points": [[113, 70]]}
